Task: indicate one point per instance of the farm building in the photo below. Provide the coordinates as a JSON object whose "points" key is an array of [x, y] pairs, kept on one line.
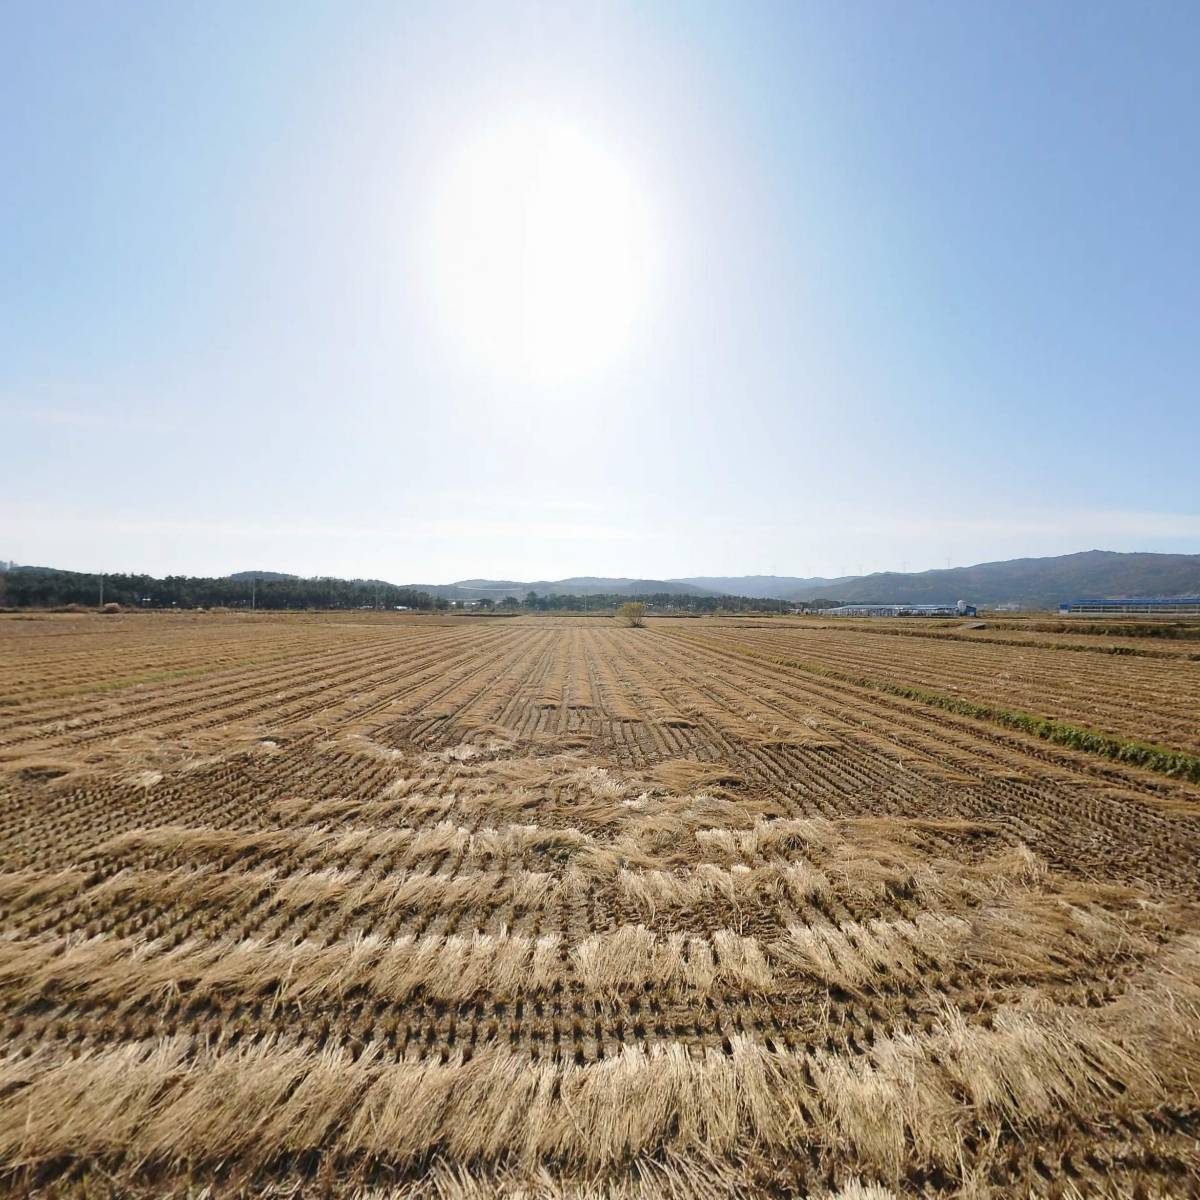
{"points": [[1163, 606], [902, 610]]}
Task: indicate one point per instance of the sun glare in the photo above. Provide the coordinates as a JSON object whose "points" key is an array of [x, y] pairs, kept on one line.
{"points": [[540, 251]]}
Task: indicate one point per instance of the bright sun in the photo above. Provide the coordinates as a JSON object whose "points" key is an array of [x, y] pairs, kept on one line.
{"points": [[540, 252]]}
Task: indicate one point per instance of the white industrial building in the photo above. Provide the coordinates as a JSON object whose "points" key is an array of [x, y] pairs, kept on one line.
{"points": [[961, 609]]}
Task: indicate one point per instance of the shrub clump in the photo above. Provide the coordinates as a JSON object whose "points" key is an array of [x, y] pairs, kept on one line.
{"points": [[632, 613]]}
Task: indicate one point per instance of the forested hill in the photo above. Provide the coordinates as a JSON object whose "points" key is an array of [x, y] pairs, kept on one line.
{"points": [[46, 587]]}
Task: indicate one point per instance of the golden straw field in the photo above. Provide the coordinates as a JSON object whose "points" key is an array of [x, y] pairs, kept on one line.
{"points": [[369, 905]]}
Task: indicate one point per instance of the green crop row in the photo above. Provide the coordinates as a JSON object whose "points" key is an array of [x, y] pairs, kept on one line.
{"points": [[1161, 759]]}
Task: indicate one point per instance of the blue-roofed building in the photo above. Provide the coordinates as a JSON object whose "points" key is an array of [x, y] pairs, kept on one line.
{"points": [[1144, 606]]}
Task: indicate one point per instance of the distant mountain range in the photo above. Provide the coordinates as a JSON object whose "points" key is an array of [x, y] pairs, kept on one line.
{"points": [[582, 585], [1031, 582], [772, 587]]}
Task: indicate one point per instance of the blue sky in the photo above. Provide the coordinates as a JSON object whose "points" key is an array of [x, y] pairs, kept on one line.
{"points": [[919, 284]]}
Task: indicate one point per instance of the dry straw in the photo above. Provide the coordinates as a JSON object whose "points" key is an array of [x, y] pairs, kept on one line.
{"points": [[172, 1100]]}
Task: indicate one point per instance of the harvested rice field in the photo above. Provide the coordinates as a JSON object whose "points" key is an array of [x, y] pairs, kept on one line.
{"points": [[371, 905]]}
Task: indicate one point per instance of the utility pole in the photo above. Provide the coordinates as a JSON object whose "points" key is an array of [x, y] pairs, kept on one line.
{"points": [[253, 593], [101, 605]]}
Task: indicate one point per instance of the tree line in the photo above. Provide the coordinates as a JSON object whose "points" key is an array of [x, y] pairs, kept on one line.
{"points": [[654, 601], [44, 587]]}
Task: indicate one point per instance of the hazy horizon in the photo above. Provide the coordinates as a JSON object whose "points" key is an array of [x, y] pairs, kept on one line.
{"points": [[513, 291]]}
